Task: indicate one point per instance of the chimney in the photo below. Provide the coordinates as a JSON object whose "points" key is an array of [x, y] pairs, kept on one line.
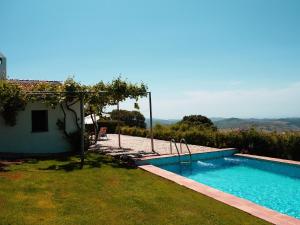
{"points": [[2, 67]]}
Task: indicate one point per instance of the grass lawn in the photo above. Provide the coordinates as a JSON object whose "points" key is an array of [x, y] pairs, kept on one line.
{"points": [[104, 192]]}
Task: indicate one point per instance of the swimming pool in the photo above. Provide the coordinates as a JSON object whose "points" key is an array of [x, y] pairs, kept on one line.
{"points": [[270, 184]]}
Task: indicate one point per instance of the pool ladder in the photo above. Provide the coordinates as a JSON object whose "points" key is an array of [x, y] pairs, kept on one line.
{"points": [[182, 141]]}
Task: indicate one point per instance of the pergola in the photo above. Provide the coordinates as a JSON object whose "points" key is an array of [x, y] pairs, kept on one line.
{"points": [[80, 95]]}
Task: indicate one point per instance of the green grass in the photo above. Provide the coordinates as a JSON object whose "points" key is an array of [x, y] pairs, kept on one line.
{"points": [[104, 192]]}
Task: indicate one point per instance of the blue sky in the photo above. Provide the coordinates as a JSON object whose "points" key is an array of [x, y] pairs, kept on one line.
{"points": [[234, 58]]}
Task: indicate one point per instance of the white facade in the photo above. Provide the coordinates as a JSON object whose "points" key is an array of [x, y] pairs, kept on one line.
{"points": [[21, 139]]}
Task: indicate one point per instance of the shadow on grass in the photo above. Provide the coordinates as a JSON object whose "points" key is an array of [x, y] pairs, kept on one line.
{"points": [[92, 160]]}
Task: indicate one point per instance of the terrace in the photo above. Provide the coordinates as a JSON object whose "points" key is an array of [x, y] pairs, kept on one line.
{"points": [[138, 145]]}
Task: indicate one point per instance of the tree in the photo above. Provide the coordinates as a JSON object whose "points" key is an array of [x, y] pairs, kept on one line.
{"points": [[197, 120], [130, 118]]}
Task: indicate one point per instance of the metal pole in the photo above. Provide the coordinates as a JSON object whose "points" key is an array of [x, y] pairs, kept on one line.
{"points": [[151, 124], [82, 132], [119, 130]]}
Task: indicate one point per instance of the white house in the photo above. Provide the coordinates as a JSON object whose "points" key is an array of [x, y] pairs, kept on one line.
{"points": [[36, 130]]}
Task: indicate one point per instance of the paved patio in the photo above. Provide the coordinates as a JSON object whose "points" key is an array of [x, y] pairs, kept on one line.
{"points": [[142, 146]]}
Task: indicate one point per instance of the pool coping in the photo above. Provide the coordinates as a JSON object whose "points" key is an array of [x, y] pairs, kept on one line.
{"points": [[145, 158], [269, 159], [247, 206]]}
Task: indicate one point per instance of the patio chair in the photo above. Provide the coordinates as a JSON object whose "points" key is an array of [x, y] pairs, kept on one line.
{"points": [[102, 133]]}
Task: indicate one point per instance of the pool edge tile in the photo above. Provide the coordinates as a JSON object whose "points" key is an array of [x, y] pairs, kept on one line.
{"points": [[269, 159]]}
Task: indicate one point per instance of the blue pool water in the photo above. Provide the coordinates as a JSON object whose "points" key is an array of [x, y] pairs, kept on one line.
{"points": [[273, 185]]}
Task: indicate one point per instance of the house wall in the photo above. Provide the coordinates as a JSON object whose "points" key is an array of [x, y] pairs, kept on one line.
{"points": [[20, 138]]}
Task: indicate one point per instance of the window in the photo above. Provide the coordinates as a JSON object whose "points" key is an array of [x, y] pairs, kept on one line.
{"points": [[0, 61], [39, 120]]}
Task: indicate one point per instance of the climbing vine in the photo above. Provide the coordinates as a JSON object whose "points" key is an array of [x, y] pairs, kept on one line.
{"points": [[14, 97], [12, 100]]}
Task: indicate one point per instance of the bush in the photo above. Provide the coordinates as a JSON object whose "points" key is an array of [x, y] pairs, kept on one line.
{"points": [[135, 131]]}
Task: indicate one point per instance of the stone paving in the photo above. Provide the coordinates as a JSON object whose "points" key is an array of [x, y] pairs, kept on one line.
{"points": [[140, 145]]}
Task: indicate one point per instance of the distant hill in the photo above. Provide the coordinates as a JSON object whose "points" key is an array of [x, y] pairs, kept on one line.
{"points": [[215, 119], [280, 125]]}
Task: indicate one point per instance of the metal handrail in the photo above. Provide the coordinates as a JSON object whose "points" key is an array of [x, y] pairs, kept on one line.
{"points": [[172, 141], [183, 141]]}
